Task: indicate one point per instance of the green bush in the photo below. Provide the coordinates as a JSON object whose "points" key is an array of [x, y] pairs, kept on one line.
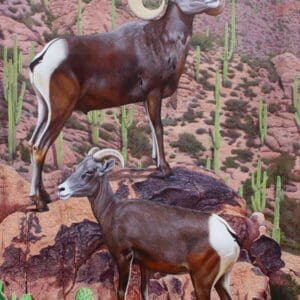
{"points": [[201, 131], [205, 42], [188, 143], [230, 163], [108, 127], [235, 105], [189, 115], [243, 155], [169, 122], [138, 141]]}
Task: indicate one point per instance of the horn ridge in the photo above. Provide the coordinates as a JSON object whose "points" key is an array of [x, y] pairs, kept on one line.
{"points": [[93, 150], [144, 13], [103, 153]]}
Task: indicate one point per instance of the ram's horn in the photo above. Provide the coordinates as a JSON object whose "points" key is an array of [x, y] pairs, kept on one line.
{"points": [[216, 11], [93, 150], [144, 13], [101, 154]]}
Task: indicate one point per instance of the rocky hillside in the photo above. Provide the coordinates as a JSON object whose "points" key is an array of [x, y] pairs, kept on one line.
{"points": [[264, 65]]}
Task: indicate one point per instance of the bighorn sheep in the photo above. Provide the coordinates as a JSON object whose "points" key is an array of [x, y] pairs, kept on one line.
{"points": [[140, 61], [176, 240]]}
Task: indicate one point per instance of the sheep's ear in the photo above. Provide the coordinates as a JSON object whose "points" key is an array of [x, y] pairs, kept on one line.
{"points": [[107, 166]]}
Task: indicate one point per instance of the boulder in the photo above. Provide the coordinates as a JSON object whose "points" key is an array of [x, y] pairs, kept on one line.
{"points": [[52, 254], [287, 65], [14, 191]]}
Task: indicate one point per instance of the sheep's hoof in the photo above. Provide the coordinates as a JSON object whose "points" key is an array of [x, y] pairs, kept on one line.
{"points": [[40, 204], [166, 170], [45, 197]]}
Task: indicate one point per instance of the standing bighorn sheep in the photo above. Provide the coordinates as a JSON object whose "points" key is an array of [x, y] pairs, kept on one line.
{"points": [[140, 61], [176, 240]]}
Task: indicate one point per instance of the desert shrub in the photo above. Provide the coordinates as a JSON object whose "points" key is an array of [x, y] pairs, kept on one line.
{"points": [[205, 42], [82, 148], [108, 127], [231, 133], [189, 115], [201, 131], [239, 67], [249, 93], [239, 106], [188, 143], [172, 156], [244, 169], [138, 141], [229, 163], [291, 109], [25, 153], [289, 291], [169, 122], [199, 114], [281, 166], [266, 89], [274, 107], [234, 94], [227, 84], [75, 124], [243, 155]]}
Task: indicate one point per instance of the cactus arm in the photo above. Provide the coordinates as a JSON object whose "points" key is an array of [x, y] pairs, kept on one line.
{"points": [[217, 135], [198, 61]]}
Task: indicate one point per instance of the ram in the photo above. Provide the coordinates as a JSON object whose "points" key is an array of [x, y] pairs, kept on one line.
{"points": [[160, 237], [140, 61]]}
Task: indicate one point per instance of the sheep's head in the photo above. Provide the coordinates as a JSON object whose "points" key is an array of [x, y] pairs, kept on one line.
{"points": [[190, 7], [88, 175]]}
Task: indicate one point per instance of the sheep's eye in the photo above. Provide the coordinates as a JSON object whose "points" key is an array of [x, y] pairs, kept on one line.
{"points": [[89, 173]]}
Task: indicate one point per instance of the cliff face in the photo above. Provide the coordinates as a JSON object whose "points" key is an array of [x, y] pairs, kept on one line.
{"points": [[52, 254]]}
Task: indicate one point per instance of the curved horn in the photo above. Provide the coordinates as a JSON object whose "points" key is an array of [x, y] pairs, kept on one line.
{"points": [[142, 12], [99, 155], [216, 11], [93, 150]]}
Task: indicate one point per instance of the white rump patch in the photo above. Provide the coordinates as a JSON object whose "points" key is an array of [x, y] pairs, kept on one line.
{"points": [[54, 54], [224, 244]]}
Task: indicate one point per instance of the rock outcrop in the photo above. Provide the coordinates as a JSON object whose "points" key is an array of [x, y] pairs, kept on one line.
{"points": [[52, 254]]}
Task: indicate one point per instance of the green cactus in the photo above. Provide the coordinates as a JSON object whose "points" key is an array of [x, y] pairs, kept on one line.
{"points": [[26, 297], [229, 49], [31, 51], [198, 61], [208, 163], [13, 296], [276, 232], [126, 121], [60, 150], [216, 142], [12, 69], [46, 4], [296, 100], [113, 14], [263, 120], [259, 187], [241, 191], [79, 17], [2, 296], [95, 122], [207, 32], [84, 294]]}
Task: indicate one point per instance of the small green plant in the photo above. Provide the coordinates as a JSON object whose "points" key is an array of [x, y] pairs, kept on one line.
{"points": [[208, 163], [113, 14], [84, 294], [46, 4], [197, 62], [263, 120], [13, 295], [279, 195], [188, 143], [95, 118], [259, 188], [204, 41], [126, 116], [12, 69]]}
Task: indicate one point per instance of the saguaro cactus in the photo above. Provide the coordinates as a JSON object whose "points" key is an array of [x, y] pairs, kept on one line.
{"points": [[60, 150], [263, 120], [113, 14], [216, 140], [79, 17], [241, 191], [12, 69], [296, 100], [31, 51], [126, 121], [95, 121], [279, 195], [13, 295], [259, 187], [197, 62], [229, 49]]}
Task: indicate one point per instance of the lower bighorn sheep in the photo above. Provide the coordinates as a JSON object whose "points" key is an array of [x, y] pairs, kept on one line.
{"points": [[156, 236]]}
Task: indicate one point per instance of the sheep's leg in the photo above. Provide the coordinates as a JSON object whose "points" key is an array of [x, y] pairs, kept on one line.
{"points": [[153, 105], [144, 282], [154, 141], [59, 109], [124, 266], [201, 286], [222, 287]]}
